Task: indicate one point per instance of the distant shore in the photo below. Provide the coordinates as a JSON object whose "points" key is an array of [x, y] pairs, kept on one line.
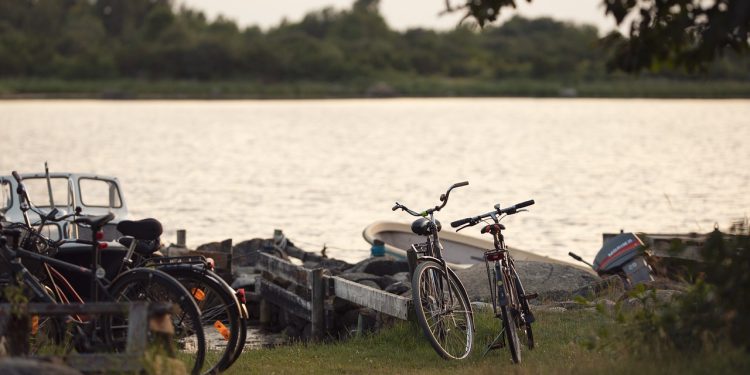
{"points": [[386, 88]]}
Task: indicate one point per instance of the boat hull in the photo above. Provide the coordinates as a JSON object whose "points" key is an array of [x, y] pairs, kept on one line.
{"points": [[460, 250]]}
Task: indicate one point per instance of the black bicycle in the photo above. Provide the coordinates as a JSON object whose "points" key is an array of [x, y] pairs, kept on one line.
{"points": [[440, 300], [27, 263], [509, 300]]}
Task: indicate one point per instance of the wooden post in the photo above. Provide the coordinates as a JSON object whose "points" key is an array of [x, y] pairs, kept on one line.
{"points": [[181, 238], [264, 312], [360, 325], [137, 327], [317, 317], [411, 258]]}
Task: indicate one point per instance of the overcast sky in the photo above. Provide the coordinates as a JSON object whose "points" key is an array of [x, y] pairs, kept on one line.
{"points": [[400, 14]]}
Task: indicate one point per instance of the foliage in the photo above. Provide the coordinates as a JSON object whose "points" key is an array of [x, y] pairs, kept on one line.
{"points": [[714, 312], [121, 40], [663, 33]]}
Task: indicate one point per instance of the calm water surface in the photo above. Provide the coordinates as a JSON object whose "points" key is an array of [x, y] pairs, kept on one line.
{"points": [[323, 170]]}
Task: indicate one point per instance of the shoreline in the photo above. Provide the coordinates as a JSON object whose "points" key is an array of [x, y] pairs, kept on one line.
{"points": [[124, 89]]}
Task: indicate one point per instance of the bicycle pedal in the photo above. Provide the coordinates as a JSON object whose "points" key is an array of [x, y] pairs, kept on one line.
{"points": [[531, 296]]}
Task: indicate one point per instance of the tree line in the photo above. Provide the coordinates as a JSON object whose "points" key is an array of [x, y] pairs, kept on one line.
{"points": [[154, 39]]}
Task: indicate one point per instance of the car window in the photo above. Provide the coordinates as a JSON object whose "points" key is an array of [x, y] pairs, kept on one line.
{"points": [[39, 191], [99, 193], [5, 198]]}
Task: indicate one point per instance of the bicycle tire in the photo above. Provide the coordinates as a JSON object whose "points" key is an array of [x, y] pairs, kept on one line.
{"points": [[526, 312], [510, 324], [241, 341], [142, 284], [428, 295], [216, 303]]}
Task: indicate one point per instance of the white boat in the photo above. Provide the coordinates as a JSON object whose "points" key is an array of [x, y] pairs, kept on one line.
{"points": [[460, 250], [94, 194]]}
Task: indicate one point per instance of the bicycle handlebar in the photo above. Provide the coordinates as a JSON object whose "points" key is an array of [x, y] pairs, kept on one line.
{"points": [[443, 198], [498, 211]]}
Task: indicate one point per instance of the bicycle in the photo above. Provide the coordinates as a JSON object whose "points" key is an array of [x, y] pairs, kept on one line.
{"points": [[440, 300], [222, 308], [136, 284], [509, 300]]}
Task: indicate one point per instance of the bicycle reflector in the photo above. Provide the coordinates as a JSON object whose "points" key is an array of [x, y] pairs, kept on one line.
{"points": [[103, 245], [222, 329], [241, 295], [198, 294], [100, 235], [210, 262]]}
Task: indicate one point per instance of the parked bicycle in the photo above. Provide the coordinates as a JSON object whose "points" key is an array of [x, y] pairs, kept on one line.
{"points": [[46, 283], [440, 300], [509, 300]]}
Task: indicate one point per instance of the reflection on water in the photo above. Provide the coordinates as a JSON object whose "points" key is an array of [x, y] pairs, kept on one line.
{"points": [[323, 170]]}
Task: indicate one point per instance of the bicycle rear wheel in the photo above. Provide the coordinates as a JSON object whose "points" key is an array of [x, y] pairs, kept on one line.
{"points": [[220, 315], [443, 311], [150, 285], [507, 315]]}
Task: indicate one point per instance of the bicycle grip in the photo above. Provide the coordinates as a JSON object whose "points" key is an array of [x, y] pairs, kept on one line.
{"points": [[16, 176], [459, 184], [395, 207], [525, 204], [461, 222]]}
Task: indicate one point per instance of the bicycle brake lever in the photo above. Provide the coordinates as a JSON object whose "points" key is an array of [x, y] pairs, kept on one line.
{"points": [[464, 227]]}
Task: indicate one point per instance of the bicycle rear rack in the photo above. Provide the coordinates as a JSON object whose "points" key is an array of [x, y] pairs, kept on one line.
{"points": [[192, 259]]}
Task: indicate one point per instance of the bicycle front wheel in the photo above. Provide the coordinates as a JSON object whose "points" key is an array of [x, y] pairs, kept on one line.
{"points": [[220, 314], [509, 318], [150, 285], [443, 311]]}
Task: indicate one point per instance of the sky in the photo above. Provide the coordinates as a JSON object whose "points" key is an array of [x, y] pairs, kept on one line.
{"points": [[400, 14]]}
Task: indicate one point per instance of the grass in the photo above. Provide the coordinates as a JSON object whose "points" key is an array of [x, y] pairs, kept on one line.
{"points": [[404, 86], [562, 340]]}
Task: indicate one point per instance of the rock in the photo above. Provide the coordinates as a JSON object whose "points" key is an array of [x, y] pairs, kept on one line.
{"points": [[370, 283], [610, 287], [334, 265], [380, 266], [398, 287], [21, 366], [211, 246], [246, 252], [358, 276], [571, 305], [536, 277], [244, 280], [402, 276]]}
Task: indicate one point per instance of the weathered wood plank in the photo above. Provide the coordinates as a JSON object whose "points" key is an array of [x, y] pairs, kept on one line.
{"points": [[285, 299], [317, 304], [284, 270], [375, 299], [137, 328]]}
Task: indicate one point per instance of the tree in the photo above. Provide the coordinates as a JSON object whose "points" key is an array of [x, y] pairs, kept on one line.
{"points": [[663, 33]]}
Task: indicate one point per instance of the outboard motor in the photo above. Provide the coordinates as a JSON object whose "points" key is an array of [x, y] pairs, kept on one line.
{"points": [[622, 255]]}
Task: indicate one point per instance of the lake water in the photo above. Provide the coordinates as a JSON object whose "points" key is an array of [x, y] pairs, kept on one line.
{"points": [[323, 170]]}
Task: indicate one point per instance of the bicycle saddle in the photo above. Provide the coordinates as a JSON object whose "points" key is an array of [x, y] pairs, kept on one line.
{"points": [[146, 229], [422, 227], [95, 221], [492, 228]]}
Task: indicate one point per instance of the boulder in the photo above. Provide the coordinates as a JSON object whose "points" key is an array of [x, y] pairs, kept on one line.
{"points": [[398, 287], [536, 277], [380, 266]]}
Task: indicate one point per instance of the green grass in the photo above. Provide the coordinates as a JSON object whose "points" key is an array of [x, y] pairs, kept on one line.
{"points": [[562, 340], [405, 86]]}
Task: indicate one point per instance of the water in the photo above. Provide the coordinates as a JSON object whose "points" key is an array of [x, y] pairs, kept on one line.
{"points": [[323, 170]]}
